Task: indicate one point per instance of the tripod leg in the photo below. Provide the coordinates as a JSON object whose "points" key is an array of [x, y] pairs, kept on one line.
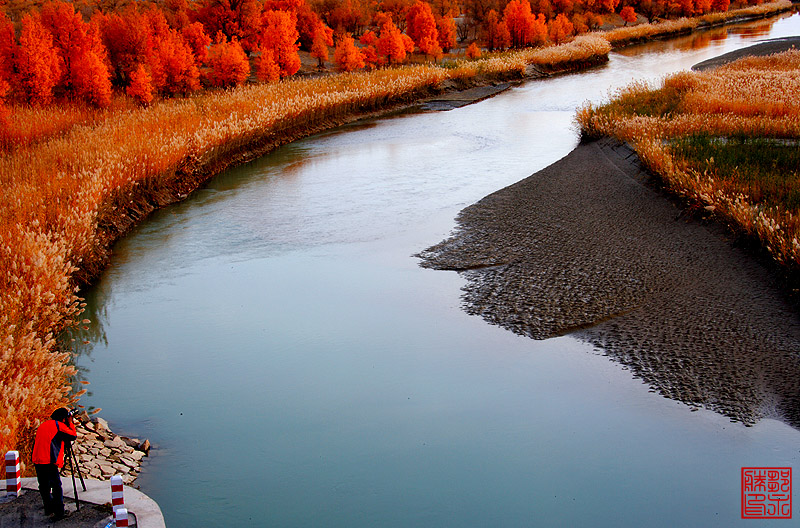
{"points": [[80, 473], [70, 455]]}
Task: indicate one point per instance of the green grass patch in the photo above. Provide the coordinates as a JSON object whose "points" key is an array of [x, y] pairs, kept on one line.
{"points": [[651, 103], [766, 170]]}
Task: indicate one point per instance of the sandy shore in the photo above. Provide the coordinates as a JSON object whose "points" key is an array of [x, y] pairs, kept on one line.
{"points": [[590, 247], [767, 47]]}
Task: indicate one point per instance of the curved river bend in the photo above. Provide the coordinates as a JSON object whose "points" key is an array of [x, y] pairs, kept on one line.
{"points": [[294, 366]]}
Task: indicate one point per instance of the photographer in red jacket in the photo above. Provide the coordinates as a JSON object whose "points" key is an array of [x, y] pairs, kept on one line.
{"points": [[48, 458]]}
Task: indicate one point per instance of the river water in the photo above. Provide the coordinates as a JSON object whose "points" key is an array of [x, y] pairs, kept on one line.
{"points": [[275, 339]]}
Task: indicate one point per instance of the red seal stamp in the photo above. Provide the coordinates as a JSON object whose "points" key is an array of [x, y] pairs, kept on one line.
{"points": [[766, 493]]}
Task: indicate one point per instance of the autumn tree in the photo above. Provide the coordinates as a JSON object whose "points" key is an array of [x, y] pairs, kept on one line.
{"points": [[141, 85], [8, 48], [524, 28], [628, 15], [267, 70], [323, 37], [473, 51], [169, 58], [80, 51], [447, 33], [227, 62], [397, 9], [38, 65], [391, 43], [421, 27], [125, 36], [195, 36], [280, 35], [720, 5], [560, 28], [496, 35], [368, 41], [234, 18], [344, 15], [347, 56]]}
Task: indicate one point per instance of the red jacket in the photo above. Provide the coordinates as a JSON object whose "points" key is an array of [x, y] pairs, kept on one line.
{"points": [[49, 445]]}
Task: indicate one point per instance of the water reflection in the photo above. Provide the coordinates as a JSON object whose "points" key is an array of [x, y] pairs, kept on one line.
{"points": [[706, 38]]}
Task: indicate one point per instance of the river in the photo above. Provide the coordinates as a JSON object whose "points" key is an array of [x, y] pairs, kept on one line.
{"points": [[277, 342]]}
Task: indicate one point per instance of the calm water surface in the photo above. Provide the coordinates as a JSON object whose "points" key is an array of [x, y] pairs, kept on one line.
{"points": [[277, 342]]}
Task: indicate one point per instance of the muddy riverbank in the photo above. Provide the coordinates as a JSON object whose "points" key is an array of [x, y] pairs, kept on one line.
{"points": [[590, 247]]}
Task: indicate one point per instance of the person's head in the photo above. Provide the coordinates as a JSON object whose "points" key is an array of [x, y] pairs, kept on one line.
{"points": [[60, 414]]}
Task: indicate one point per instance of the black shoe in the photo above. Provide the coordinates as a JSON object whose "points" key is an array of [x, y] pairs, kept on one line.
{"points": [[59, 515]]}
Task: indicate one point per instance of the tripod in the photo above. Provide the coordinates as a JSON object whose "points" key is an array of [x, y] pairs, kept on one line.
{"points": [[73, 464]]}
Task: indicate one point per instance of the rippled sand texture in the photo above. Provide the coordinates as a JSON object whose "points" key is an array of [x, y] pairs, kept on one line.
{"points": [[585, 246]]}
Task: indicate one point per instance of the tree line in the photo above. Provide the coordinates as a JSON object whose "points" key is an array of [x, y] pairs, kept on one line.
{"points": [[86, 49]]}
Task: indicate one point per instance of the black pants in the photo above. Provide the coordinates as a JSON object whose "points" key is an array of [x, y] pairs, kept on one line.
{"points": [[50, 488]]}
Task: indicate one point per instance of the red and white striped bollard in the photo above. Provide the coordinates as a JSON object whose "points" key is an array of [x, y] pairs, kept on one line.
{"points": [[13, 477], [121, 517], [117, 500]]}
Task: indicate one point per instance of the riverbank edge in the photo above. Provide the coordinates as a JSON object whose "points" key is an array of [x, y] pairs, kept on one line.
{"points": [[131, 205], [642, 295]]}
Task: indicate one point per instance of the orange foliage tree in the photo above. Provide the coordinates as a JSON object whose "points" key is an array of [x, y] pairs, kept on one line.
{"points": [[81, 54], [496, 35], [347, 56], [524, 28], [368, 41], [392, 44], [628, 15], [267, 70], [37, 62], [227, 62], [560, 28], [280, 35], [421, 27], [171, 62], [447, 33], [323, 37], [140, 87], [195, 36], [473, 51]]}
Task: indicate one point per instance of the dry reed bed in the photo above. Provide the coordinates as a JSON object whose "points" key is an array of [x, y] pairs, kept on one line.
{"points": [[757, 97], [67, 168]]}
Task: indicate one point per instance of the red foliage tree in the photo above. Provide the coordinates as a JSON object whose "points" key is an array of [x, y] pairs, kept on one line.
{"points": [[392, 44], [496, 34], [38, 65], [169, 58], [195, 36], [447, 33], [323, 37], [344, 15], [398, 9], [8, 48], [421, 27], [140, 87], [473, 51], [267, 70], [280, 35], [524, 28], [368, 41], [235, 18], [628, 15], [125, 36], [560, 28], [80, 51], [228, 63], [347, 56], [720, 5]]}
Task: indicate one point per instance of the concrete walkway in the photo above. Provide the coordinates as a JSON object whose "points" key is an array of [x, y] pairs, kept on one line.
{"points": [[145, 511]]}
